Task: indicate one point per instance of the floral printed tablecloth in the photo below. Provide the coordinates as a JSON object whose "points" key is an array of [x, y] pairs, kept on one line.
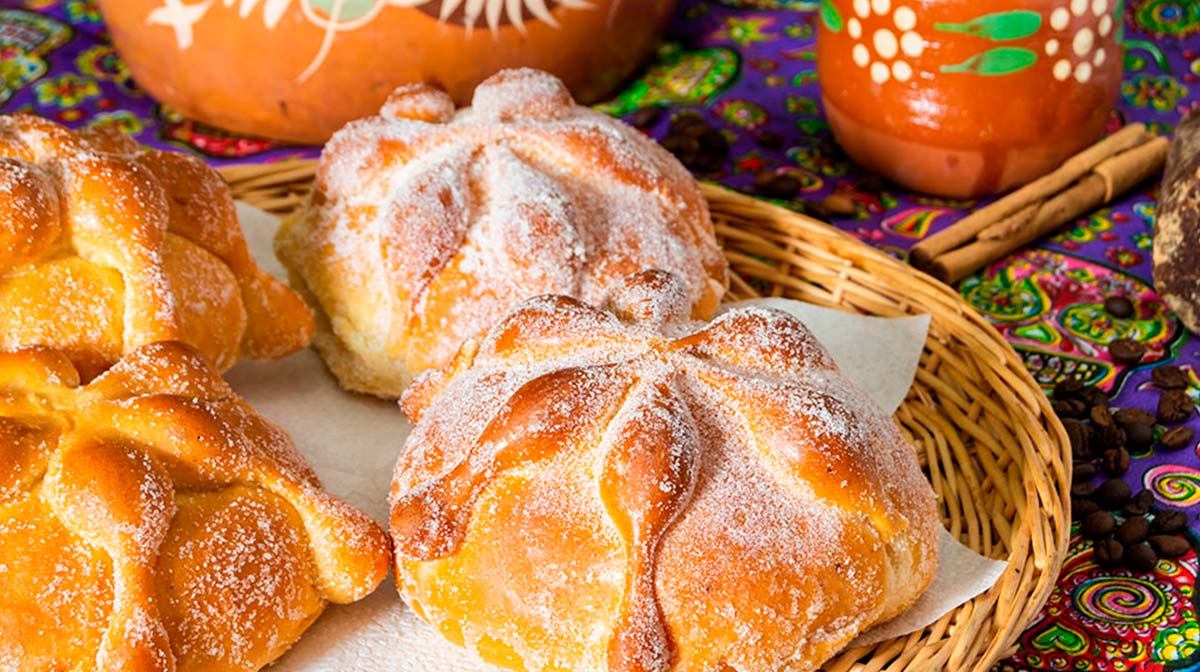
{"points": [[748, 67]]}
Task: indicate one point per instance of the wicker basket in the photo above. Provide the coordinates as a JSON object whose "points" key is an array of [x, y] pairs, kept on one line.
{"points": [[983, 429]]}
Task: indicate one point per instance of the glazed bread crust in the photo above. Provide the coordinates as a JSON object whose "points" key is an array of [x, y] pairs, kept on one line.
{"points": [[628, 490], [151, 521], [108, 246], [427, 223]]}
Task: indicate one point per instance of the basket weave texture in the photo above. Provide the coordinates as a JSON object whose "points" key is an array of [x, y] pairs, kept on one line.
{"points": [[982, 428]]}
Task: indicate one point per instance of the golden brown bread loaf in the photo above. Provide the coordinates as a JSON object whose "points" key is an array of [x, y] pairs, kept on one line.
{"points": [[427, 224], [151, 521], [631, 491], [107, 246]]}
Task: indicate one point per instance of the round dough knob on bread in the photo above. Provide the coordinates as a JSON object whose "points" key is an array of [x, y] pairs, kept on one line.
{"points": [[632, 491], [426, 224]]}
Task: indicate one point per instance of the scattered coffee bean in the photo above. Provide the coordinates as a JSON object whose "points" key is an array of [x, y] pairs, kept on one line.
{"points": [[714, 142], [685, 147], [1119, 307], [1116, 461], [1126, 351], [687, 124], [1083, 490], [1174, 406], [1139, 436], [1133, 416], [840, 205], [1132, 531], [1068, 408], [1084, 471], [1093, 396], [769, 140], [783, 187], [1139, 504], [645, 117], [1169, 377], [1080, 436], [1108, 553], [1169, 545], [1107, 437], [1082, 508], [818, 210], [1068, 388], [1101, 417], [1097, 525], [1140, 557], [871, 184], [1168, 521], [1177, 438], [1112, 494]]}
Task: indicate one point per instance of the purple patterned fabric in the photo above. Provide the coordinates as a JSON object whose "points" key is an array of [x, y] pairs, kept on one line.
{"points": [[748, 67]]}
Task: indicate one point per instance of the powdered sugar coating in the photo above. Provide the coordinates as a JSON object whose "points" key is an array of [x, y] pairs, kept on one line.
{"points": [[108, 246], [175, 528], [708, 494], [424, 228]]}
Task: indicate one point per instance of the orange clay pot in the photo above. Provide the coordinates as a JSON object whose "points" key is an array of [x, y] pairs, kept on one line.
{"points": [[297, 70], [964, 99]]}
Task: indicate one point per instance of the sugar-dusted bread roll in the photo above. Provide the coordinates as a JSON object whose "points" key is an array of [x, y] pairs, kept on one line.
{"points": [[427, 223], [150, 521], [628, 490], [106, 246]]}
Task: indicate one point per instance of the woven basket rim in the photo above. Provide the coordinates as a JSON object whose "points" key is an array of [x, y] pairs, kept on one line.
{"points": [[985, 424]]}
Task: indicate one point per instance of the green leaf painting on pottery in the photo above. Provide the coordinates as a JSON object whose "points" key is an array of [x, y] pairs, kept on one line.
{"points": [[998, 61], [348, 11], [997, 27], [830, 16]]}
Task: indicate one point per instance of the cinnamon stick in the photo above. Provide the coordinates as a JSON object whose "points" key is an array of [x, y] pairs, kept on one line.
{"points": [[966, 229], [1114, 175]]}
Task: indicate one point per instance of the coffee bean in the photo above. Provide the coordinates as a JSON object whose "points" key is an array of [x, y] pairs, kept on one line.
{"points": [[840, 205], [1169, 545], [1141, 558], [1083, 490], [1174, 406], [1083, 471], [692, 125], [1132, 531], [1093, 396], [1068, 388], [1082, 508], [1177, 438], [1108, 553], [1126, 351], [1116, 461], [1098, 524], [1169, 377], [1139, 436], [871, 184], [707, 163], [1133, 416], [769, 140], [1139, 504], [1112, 494], [645, 117], [1080, 436], [1101, 416], [818, 210], [1107, 437], [685, 148], [714, 141], [1168, 521], [1119, 307], [1068, 408], [783, 187]]}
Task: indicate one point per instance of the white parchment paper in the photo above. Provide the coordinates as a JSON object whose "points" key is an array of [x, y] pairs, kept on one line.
{"points": [[352, 441]]}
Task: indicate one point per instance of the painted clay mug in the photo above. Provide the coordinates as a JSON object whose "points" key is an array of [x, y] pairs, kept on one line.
{"points": [[298, 70], [964, 99]]}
